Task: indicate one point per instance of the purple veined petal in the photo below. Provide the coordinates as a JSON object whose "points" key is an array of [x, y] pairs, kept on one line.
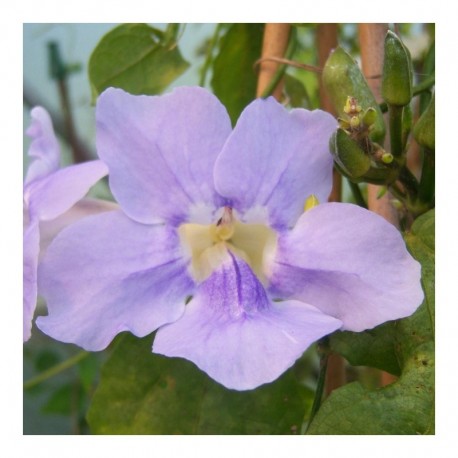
{"points": [[233, 332], [44, 149], [161, 150], [106, 274], [350, 263], [31, 247], [58, 192], [275, 158]]}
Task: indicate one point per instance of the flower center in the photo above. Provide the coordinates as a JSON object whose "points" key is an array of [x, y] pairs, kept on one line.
{"points": [[208, 245]]}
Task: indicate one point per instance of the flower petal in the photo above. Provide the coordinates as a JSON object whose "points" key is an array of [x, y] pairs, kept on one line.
{"points": [[276, 159], [161, 150], [350, 263], [84, 207], [236, 335], [106, 274], [29, 275], [44, 149], [37, 237], [58, 192]]}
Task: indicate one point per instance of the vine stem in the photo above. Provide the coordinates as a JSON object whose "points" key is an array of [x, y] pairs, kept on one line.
{"points": [[57, 369], [209, 55], [357, 194], [60, 74], [323, 350], [426, 187], [425, 85], [395, 118]]}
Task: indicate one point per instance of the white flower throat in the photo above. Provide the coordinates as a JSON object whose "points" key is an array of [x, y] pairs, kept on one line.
{"points": [[208, 245]]}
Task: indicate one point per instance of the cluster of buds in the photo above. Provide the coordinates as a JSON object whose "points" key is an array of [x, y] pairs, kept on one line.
{"points": [[358, 125], [355, 154]]}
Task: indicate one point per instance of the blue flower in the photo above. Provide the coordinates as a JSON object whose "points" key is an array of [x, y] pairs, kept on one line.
{"points": [[217, 215]]}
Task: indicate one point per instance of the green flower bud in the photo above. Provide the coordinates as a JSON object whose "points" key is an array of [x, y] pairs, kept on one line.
{"points": [[354, 122], [424, 130], [351, 106], [348, 107], [397, 72], [370, 116], [387, 158], [341, 78], [349, 155]]}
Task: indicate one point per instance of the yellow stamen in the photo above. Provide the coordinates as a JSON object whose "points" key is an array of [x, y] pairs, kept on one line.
{"points": [[312, 201]]}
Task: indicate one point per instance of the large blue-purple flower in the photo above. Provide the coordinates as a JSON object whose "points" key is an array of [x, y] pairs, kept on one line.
{"points": [[216, 214], [49, 194]]}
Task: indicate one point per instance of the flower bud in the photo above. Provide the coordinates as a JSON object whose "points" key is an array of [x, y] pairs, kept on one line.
{"points": [[370, 116], [355, 122], [397, 72], [387, 158], [351, 106], [341, 78], [349, 155], [424, 130]]}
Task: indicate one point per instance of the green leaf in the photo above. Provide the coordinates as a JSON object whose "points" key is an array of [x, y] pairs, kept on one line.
{"points": [[68, 399], [296, 92], [421, 244], [144, 393], [234, 76], [61, 401], [137, 58], [406, 406], [374, 348], [88, 369]]}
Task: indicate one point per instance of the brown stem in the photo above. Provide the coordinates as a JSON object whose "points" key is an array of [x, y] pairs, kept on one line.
{"points": [[32, 100], [326, 38], [78, 154], [335, 375], [274, 44], [372, 39], [387, 378]]}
